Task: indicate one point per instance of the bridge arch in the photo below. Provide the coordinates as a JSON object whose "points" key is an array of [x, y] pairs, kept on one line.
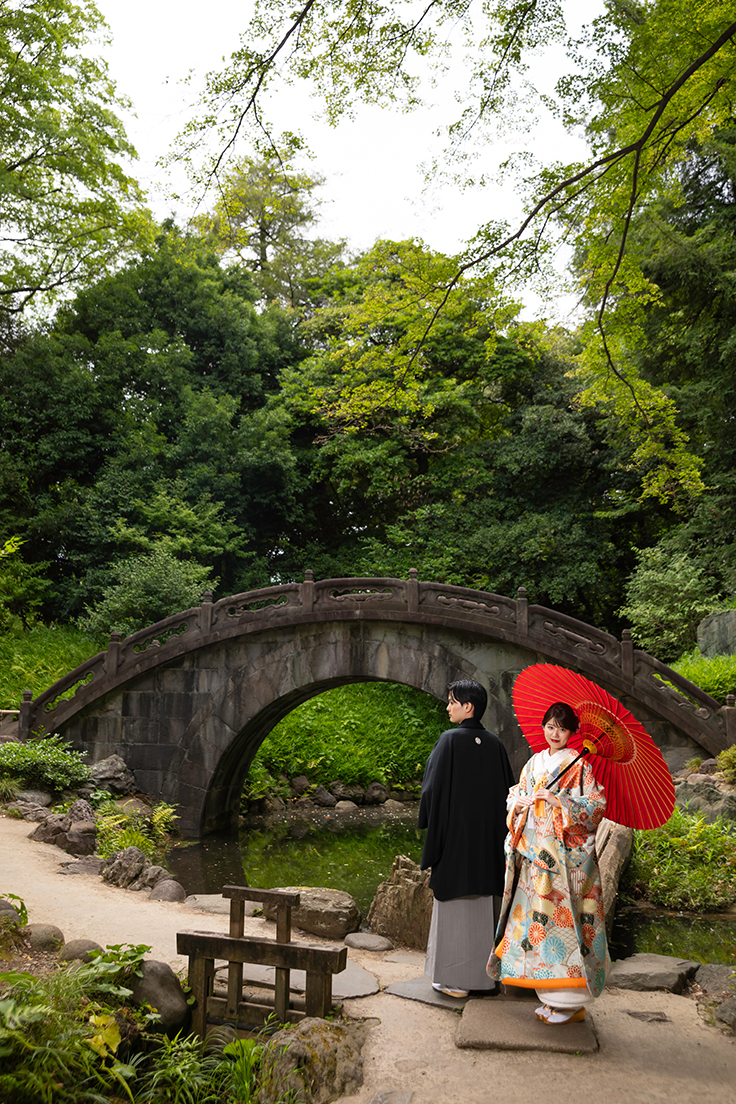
{"points": [[188, 701]]}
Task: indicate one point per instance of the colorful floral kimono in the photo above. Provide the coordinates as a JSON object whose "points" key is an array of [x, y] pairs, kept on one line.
{"points": [[551, 933]]}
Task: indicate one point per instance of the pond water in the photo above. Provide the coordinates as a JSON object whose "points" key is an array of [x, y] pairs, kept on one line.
{"points": [[356, 857]]}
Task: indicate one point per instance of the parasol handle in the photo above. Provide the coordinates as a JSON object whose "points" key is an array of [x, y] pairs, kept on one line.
{"points": [[569, 766]]}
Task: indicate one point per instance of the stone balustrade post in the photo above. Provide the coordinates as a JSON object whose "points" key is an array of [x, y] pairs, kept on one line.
{"points": [[729, 719], [113, 654], [522, 612], [306, 591], [205, 613], [24, 718], [627, 656], [412, 591]]}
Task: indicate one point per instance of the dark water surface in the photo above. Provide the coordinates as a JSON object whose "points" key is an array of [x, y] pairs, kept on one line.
{"points": [[354, 858], [357, 857]]}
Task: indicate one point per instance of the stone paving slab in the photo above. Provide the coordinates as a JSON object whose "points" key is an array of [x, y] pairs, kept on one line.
{"points": [[512, 1025], [406, 958], [648, 972], [393, 1096], [420, 989]]}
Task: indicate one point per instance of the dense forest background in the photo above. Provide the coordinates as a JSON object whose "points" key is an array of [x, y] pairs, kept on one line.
{"points": [[223, 404]]}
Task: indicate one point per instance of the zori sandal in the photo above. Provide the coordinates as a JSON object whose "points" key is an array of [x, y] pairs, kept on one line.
{"points": [[557, 1017], [543, 1012]]}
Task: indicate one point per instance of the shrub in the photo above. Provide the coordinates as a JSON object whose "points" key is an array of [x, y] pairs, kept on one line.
{"points": [[9, 788], [667, 595], [685, 864], [45, 763], [149, 587], [727, 763], [716, 675]]}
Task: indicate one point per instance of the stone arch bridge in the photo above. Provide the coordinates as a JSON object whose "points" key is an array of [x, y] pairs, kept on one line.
{"points": [[188, 701]]}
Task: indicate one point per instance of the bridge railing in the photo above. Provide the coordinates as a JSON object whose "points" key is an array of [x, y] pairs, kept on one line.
{"points": [[564, 639]]}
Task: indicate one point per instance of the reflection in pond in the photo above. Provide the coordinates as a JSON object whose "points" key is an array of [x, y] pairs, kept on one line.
{"points": [[355, 859], [710, 938]]}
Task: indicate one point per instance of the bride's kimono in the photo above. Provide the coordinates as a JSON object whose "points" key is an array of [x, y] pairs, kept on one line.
{"points": [[551, 933]]}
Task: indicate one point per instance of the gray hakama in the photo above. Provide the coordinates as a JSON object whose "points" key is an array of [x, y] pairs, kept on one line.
{"points": [[460, 941]]}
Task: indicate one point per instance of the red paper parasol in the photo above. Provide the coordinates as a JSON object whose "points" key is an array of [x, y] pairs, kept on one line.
{"points": [[624, 758]]}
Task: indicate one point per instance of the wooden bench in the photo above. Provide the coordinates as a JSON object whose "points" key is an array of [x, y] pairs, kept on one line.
{"points": [[236, 948]]}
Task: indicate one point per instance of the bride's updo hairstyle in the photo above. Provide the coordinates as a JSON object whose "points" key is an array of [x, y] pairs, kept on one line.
{"points": [[564, 714]]}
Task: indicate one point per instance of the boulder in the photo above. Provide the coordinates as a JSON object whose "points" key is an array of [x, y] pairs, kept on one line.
{"points": [[159, 987], [88, 864], [649, 972], [133, 805], [82, 811], [35, 797], [355, 794], [375, 794], [168, 890], [81, 839], [717, 634], [29, 810], [112, 774], [613, 854], [708, 766], [300, 784], [317, 1061], [150, 877], [124, 867], [44, 937], [78, 950], [9, 911], [402, 907], [51, 828], [726, 1012], [327, 912], [323, 798], [345, 806], [702, 793]]}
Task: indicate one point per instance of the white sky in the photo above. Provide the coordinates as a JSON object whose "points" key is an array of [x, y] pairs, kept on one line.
{"points": [[374, 186]]}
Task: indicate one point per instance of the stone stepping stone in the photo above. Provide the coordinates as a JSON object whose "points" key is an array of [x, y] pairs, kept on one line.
{"points": [[649, 972], [216, 903], [365, 941], [511, 1025], [407, 958], [420, 989]]}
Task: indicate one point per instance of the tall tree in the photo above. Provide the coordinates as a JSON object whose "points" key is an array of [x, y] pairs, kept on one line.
{"points": [[67, 205]]}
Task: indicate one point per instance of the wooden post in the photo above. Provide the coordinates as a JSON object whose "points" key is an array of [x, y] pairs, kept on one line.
{"points": [[201, 976], [283, 976], [235, 969]]}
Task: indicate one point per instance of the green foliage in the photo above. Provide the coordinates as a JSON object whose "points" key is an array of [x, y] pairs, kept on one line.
{"points": [[66, 205], [714, 674], [726, 760], [148, 588], [361, 733], [8, 789], [694, 763], [35, 659], [20, 907], [685, 864], [117, 829], [666, 597], [45, 763], [20, 586]]}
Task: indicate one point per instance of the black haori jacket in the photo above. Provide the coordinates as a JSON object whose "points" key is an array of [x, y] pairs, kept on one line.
{"points": [[463, 807]]}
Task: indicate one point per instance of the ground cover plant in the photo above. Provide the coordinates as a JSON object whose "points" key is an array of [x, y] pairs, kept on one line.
{"points": [[118, 829], [361, 733], [685, 864], [72, 1035]]}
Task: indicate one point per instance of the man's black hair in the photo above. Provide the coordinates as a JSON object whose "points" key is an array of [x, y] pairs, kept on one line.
{"points": [[467, 690]]}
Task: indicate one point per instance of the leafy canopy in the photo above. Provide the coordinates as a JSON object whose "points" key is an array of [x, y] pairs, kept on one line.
{"points": [[67, 206]]}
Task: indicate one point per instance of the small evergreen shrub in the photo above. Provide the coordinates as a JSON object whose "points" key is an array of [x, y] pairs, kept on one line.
{"points": [[727, 763], [44, 763]]}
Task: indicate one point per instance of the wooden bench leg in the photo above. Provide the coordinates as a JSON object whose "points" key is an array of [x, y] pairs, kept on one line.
{"points": [[201, 980], [234, 990], [281, 995], [319, 993]]}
